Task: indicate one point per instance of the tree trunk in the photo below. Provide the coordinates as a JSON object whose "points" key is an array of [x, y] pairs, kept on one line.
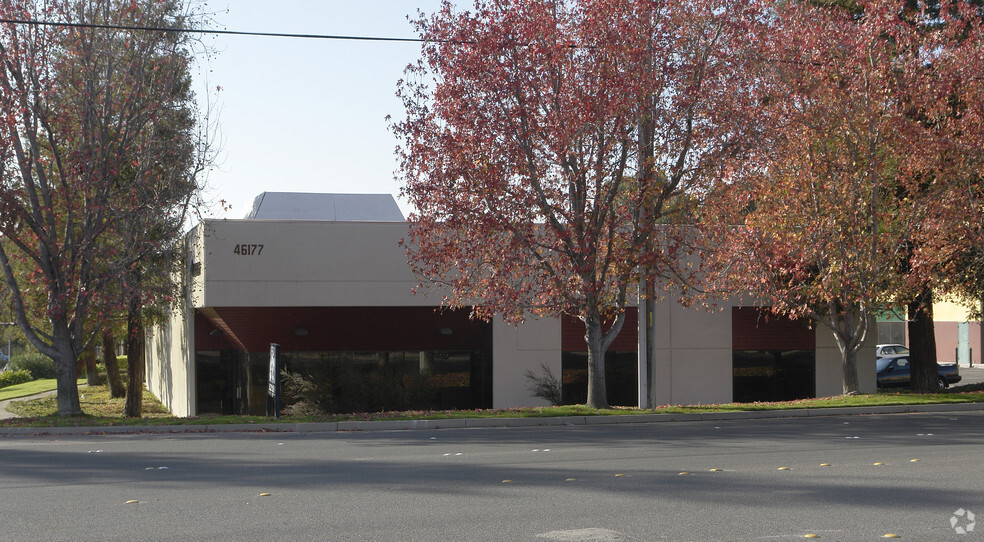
{"points": [[135, 358], [849, 323], [597, 388], [845, 333], [116, 388], [922, 343], [87, 362], [849, 365], [65, 374]]}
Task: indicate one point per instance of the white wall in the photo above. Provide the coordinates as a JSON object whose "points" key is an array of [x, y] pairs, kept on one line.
{"points": [[693, 355], [170, 365], [518, 349], [306, 263]]}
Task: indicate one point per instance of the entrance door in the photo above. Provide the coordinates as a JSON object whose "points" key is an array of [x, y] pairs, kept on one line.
{"points": [[963, 344], [223, 382]]}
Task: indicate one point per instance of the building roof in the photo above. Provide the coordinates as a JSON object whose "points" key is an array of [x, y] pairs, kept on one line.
{"points": [[330, 207]]}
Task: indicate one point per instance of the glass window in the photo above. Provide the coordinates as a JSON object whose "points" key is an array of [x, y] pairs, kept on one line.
{"points": [[773, 375], [343, 382], [621, 375]]}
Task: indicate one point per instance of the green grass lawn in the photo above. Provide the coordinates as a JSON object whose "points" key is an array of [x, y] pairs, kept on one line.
{"points": [[29, 388], [102, 410]]}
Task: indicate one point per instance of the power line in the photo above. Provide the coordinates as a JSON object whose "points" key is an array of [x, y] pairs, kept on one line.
{"points": [[31, 22]]}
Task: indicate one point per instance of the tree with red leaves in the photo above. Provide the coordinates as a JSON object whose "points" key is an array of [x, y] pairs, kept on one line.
{"points": [[98, 161], [861, 156], [546, 141], [945, 91]]}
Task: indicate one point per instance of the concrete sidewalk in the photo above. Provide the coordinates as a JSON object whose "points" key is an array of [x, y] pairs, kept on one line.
{"points": [[4, 414]]}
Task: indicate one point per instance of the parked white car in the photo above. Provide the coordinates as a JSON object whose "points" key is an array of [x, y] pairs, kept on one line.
{"points": [[890, 350]]}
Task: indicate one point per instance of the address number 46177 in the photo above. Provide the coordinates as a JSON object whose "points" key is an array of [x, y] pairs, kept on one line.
{"points": [[248, 250]]}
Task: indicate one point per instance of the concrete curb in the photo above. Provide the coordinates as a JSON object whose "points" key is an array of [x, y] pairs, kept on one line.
{"points": [[467, 423]]}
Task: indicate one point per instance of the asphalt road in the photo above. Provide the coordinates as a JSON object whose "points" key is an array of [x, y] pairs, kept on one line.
{"points": [[575, 484]]}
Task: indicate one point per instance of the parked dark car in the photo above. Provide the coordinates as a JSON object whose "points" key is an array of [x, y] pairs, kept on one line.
{"points": [[895, 371]]}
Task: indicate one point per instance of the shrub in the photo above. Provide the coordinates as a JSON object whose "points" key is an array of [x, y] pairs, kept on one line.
{"points": [[337, 384], [301, 395], [9, 378], [545, 385], [40, 365]]}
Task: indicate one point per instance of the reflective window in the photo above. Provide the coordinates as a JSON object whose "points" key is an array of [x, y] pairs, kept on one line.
{"points": [[345, 382], [621, 377], [773, 375]]}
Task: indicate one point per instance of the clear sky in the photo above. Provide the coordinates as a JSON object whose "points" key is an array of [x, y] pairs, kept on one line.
{"points": [[306, 115]]}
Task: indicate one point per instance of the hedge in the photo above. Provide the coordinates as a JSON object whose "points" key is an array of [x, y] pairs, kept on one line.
{"points": [[9, 378]]}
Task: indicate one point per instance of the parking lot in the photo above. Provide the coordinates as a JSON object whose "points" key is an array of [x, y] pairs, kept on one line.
{"points": [[970, 375]]}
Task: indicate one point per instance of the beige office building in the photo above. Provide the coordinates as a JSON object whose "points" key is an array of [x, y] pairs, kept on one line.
{"points": [[324, 276]]}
